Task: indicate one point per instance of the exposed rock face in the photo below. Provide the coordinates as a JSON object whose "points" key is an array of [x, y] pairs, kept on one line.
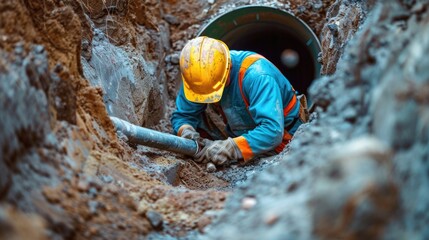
{"points": [[61, 161], [344, 19], [359, 169], [55, 131], [123, 54], [312, 12]]}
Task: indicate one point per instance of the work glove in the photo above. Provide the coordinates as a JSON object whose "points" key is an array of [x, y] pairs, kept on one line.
{"points": [[187, 131], [220, 152]]}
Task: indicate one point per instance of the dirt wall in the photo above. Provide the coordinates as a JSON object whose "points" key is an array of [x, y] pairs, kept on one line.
{"points": [[124, 47], [57, 131], [61, 161], [358, 170]]}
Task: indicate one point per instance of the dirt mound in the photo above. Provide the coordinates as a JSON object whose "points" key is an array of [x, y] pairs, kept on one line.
{"points": [[195, 177], [23, 226]]}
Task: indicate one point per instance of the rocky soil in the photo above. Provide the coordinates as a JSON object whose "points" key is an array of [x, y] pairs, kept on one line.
{"points": [[358, 170]]}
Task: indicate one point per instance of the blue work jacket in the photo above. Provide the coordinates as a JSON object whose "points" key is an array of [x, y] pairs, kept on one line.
{"points": [[260, 127]]}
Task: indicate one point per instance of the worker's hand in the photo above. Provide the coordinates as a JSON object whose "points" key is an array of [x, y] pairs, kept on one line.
{"points": [[220, 152], [187, 131]]}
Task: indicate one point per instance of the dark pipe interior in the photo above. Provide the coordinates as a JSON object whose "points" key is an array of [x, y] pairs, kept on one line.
{"points": [[270, 41], [269, 32]]}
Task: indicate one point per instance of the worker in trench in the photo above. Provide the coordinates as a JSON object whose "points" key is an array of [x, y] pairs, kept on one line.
{"points": [[236, 104]]}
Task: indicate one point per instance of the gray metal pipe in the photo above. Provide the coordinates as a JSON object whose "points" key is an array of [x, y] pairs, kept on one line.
{"points": [[152, 138]]}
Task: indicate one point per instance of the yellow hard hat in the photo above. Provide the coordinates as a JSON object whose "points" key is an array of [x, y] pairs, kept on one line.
{"points": [[205, 64]]}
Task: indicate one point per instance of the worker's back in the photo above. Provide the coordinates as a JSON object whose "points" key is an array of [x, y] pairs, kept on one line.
{"points": [[260, 68]]}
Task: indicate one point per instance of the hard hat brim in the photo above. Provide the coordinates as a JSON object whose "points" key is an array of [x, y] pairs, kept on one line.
{"points": [[213, 97]]}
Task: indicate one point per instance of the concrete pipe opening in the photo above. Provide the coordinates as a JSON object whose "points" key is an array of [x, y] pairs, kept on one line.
{"points": [[279, 36]]}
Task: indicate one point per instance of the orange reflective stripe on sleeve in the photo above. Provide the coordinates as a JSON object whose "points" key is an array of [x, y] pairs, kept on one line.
{"points": [[286, 139], [244, 147], [289, 106], [179, 133], [286, 136]]}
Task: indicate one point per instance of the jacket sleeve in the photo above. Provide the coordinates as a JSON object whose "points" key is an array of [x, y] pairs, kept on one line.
{"points": [[265, 107], [186, 112]]}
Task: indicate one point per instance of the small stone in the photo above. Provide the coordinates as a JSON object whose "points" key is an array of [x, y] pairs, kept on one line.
{"points": [[112, 189], [210, 167], [96, 183], [19, 48], [92, 192], [58, 68], [174, 58], [106, 178], [271, 218], [82, 186], [203, 222], [93, 230], [122, 226], [248, 203], [211, 1], [155, 193], [93, 205], [39, 49], [317, 5], [333, 27], [292, 187], [222, 197], [155, 219], [51, 195]]}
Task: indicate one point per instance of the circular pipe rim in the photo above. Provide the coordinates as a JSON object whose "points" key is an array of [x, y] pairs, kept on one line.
{"points": [[221, 25]]}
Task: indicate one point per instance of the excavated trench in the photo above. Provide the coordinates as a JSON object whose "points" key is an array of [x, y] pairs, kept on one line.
{"points": [[357, 170], [265, 30], [270, 32]]}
